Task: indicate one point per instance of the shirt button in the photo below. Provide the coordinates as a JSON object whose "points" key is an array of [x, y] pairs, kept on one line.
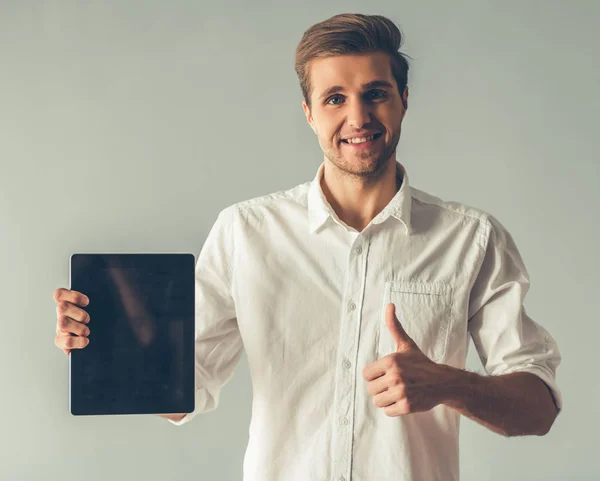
{"points": [[347, 364], [359, 250], [352, 306]]}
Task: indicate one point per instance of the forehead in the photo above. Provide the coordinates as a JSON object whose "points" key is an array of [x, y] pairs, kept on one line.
{"points": [[349, 71]]}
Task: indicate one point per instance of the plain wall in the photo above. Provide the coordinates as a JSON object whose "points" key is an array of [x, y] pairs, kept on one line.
{"points": [[127, 126]]}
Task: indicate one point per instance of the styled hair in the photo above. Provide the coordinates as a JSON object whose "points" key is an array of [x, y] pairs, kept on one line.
{"points": [[351, 33]]}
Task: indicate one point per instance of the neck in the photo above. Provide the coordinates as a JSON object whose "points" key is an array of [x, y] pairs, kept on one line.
{"points": [[358, 199]]}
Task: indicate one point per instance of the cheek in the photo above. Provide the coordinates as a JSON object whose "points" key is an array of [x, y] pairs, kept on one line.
{"points": [[324, 139], [392, 116], [328, 128], [327, 136]]}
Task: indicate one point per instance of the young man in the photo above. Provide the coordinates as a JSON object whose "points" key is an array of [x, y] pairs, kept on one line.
{"points": [[354, 296]]}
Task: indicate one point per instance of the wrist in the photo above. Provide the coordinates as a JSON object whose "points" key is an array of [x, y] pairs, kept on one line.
{"points": [[455, 386]]}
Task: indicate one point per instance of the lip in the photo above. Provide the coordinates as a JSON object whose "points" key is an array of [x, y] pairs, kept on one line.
{"points": [[360, 135], [362, 145]]}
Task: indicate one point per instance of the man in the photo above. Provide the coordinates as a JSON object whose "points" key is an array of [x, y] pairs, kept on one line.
{"points": [[354, 295]]}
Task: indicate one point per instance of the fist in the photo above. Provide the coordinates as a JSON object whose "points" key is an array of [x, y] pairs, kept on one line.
{"points": [[406, 381]]}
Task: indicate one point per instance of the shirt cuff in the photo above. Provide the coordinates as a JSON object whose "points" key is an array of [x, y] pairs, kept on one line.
{"points": [[185, 419], [203, 402], [545, 376]]}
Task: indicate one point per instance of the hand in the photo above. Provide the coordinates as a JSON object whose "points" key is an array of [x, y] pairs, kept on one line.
{"points": [[406, 381], [71, 320]]}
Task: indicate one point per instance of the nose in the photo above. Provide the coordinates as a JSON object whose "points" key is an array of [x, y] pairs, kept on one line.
{"points": [[359, 114]]}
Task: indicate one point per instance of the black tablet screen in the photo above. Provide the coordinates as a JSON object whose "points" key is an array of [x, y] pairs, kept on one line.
{"points": [[140, 359]]}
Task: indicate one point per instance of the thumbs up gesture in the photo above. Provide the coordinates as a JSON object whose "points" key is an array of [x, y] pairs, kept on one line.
{"points": [[406, 381]]}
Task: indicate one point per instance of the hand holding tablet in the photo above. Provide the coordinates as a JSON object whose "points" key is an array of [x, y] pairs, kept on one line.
{"points": [[71, 320], [138, 312]]}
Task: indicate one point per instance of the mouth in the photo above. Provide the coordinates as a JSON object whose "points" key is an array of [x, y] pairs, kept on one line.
{"points": [[361, 142]]}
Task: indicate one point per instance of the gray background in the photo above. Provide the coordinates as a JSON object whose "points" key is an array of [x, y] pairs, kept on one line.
{"points": [[127, 126]]}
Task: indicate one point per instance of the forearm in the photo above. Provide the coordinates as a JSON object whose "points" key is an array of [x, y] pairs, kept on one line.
{"points": [[515, 404]]}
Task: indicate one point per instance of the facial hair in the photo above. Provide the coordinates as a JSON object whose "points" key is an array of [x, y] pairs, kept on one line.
{"points": [[367, 164]]}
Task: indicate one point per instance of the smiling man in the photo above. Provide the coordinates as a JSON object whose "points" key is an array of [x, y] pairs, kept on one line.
{"points": [[357, 115], [354, 296]]}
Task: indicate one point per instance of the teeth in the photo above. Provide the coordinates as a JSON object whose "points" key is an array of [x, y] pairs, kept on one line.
{"points": [[360, 140]]}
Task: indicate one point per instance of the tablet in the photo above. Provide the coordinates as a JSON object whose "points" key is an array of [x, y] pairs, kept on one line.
{"points": [[140, 358]]}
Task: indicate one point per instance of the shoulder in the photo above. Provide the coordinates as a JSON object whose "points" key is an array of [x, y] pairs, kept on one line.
{"points": [[273, 203], [487, 225], [426, 201]]}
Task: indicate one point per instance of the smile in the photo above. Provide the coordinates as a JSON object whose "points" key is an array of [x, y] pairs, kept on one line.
{"points": [[361, 140]]}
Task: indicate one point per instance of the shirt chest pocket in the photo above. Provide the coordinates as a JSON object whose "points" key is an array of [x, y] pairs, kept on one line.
{"points": [[425, 312]]}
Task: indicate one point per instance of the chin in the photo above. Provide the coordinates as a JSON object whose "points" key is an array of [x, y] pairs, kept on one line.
{"points": [[360, 166]]}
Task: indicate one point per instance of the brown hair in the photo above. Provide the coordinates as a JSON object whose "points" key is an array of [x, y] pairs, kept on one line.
{"points": [[350, 33]]}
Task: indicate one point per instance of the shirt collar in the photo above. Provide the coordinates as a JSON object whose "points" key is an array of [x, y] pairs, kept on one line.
{"points": [[399, 207]]}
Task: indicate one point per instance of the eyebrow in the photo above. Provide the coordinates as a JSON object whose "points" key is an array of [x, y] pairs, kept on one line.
{"points": [[367, 86]]}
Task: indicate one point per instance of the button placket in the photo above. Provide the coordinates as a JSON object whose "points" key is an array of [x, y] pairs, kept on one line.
{"points": [[345, 399]]}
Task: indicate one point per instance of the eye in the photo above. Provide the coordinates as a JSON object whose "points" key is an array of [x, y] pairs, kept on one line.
{"points": [[379, 94], [332, 98]]}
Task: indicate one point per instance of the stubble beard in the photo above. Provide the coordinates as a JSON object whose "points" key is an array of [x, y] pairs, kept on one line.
{"points": [[365, 165]]}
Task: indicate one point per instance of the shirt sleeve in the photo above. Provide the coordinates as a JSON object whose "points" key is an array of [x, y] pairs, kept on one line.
{"points": [[218, 344], [506, 338]]}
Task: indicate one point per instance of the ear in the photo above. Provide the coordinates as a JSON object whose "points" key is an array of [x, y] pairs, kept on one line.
{"points": [[308, 115], [405, 98]]}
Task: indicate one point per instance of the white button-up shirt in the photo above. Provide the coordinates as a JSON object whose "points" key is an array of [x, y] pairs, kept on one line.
{"points": [[304, 294]]}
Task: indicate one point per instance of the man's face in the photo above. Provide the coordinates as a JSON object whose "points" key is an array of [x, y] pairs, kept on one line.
{"points": [[356, 96]]}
